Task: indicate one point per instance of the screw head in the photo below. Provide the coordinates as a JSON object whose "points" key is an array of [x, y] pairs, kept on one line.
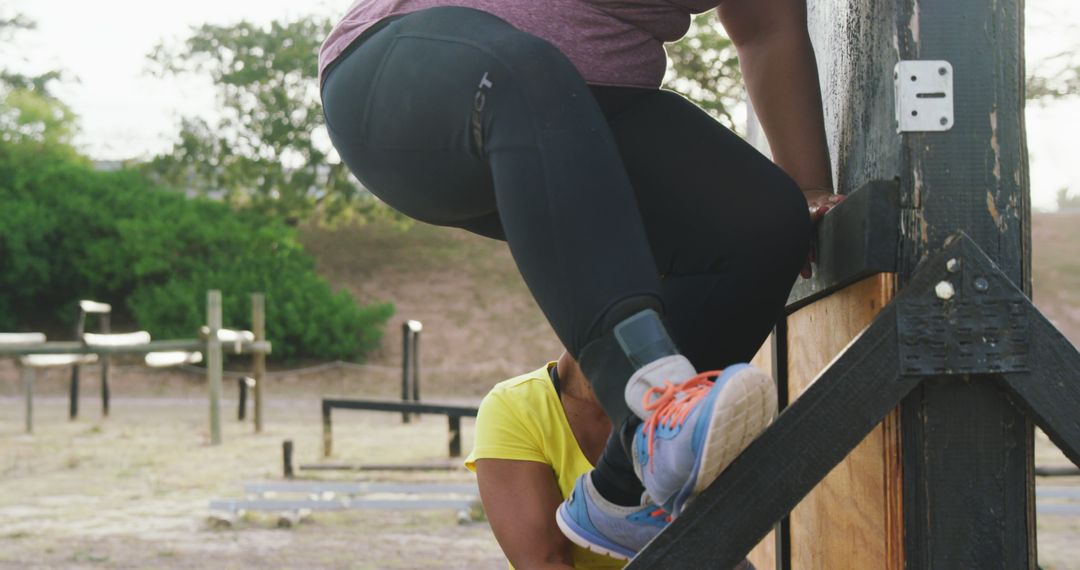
{"points": [[953, 265], [944, 121], [942, 71], [944, 290], [981, 284]]}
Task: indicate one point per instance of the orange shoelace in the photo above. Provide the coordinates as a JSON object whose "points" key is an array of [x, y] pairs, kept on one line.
{"points": [[661, 513], [673, 403]]}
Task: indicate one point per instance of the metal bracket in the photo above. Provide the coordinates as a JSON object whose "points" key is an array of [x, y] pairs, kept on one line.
{"points": [[963, 317], [924, 96]]}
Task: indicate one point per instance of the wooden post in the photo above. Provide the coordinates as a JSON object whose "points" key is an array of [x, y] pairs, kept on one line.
{"points": [[258, 360], [406, 362], [106, 327], [214, 363], [327, 433], [241, 398], [415, 365], [28, 392], [455, 435], [287, 458], [968, 477], [73, 393]]}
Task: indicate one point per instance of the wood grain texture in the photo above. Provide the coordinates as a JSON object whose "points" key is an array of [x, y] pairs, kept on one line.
{"points": [[850, 520], [763, 556], [968, 477]]}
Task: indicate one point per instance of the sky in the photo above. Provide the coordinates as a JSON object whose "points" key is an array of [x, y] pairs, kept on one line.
{"points": [[126, 113]]}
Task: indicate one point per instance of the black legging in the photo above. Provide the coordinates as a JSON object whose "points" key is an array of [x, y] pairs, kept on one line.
{"points": [[608, 197]]}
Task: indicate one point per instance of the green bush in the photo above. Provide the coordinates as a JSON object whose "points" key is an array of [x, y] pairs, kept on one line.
{"points": [[69, 232]]}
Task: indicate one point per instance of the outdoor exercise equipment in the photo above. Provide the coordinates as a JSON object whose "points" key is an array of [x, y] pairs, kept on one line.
{"points": [[35, 352]]}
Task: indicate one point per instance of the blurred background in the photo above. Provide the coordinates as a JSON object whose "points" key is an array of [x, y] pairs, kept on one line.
{"points": [[150, 152]]}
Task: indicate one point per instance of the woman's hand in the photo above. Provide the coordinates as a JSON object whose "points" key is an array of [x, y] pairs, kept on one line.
{"points": [[819, 201]]}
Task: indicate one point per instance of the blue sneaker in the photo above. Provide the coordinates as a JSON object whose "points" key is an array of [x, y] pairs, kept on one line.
{"points": [[591, 521], [697, 428]]}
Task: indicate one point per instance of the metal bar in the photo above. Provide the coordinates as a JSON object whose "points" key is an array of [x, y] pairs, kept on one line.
{"points": [[455, 435], [811, 437], [287, 460], [340, 505], [341, 488], [327, 430], [241, 392], [394, 406], [258, 360], [1057, 471], [377, 467], [416, 366], [67, 347], [214, 363], [28, 394], [106, 327], [405, 361], [73, 392], [782, 546]]}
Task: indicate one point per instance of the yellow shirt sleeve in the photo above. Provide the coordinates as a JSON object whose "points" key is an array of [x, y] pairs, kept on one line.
{"points": [[501, 433]]}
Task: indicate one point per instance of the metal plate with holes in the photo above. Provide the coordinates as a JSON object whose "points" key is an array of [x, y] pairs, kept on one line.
{"points": [[924, 96], [963, 336]]}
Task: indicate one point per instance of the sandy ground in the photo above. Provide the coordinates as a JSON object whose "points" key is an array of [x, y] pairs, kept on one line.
{"points": [[133, 491]]}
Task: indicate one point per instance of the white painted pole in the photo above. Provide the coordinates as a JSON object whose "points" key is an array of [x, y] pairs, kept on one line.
{"points": [[214, 363], [28, 389]]}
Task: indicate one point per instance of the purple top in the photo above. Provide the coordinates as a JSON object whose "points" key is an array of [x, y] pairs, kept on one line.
{"points": [[619, 43]]}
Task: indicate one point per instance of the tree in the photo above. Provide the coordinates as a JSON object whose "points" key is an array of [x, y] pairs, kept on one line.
{"points": [[31, 118], [1056, 77], [704, 67], [263, 151]]}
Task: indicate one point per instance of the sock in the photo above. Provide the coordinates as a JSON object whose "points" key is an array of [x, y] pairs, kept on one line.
{"points": [[614, 476]]}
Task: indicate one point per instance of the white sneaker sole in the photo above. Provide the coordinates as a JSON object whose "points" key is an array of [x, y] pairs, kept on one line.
{"points": [[745, 406]]}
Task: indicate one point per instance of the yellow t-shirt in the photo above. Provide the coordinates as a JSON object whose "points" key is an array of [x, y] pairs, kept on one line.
{"points": [[522, 418]]}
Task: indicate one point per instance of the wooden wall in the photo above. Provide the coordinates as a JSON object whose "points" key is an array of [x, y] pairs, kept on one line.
{"points": [[852, 518]]}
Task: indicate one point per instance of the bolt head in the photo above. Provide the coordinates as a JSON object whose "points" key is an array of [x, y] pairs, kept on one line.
{"points": [[944, 290], [953, 265], [981, 284]]}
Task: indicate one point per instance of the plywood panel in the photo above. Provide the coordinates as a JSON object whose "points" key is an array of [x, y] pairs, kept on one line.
{"points": [[763, 555], [852, 518]]}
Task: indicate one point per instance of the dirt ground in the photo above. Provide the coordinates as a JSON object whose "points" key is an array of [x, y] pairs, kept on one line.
{"points": [[133, 491]]}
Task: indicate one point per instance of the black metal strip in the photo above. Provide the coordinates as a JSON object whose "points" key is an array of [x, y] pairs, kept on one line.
{"points": [[782, 547], [393, 406]]}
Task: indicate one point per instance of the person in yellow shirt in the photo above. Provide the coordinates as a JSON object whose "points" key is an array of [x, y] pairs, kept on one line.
{"points": [[535, 435]]}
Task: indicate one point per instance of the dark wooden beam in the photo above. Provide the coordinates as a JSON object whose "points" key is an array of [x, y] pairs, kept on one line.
{"points": [[1050, 393], [857, 239], [808, 439]]}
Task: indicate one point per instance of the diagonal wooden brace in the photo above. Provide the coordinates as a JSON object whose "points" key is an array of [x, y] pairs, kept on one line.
{"points": [[959, 315], [811, 437]]}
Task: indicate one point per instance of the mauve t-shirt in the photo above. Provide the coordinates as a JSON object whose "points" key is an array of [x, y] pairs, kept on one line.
{"points": [[611, 42]]}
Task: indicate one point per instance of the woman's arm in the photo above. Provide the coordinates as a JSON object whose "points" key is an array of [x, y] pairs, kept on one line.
{"points": [[520, 499], [781, 77]]}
